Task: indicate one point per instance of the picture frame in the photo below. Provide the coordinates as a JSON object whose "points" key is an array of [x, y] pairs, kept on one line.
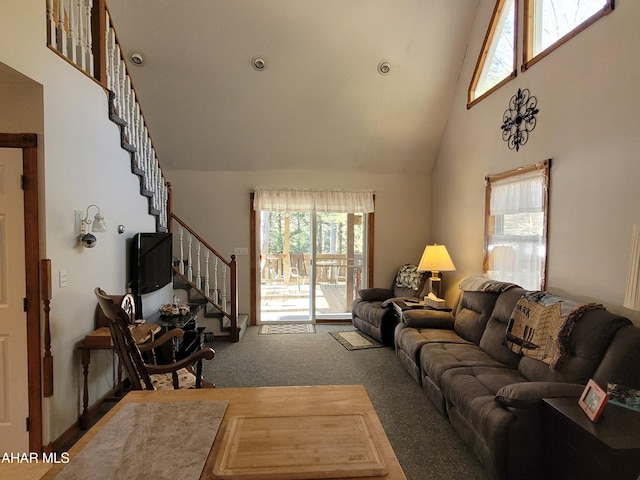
{"points": [[593, 400]]}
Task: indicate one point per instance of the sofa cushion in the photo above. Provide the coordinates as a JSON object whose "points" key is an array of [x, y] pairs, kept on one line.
{"points": [[588, 343], [375, 294], [411, 340], [371, 312], [621, 363], [472, 313], [426, 318], [437, 358], [493, 338], [472, 390]]}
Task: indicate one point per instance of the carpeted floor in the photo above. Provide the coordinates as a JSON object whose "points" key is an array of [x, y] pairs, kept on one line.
{"points": [[424, 442]]}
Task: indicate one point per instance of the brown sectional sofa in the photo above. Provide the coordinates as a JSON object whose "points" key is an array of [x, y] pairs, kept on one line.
{"points": [[493, 396]]}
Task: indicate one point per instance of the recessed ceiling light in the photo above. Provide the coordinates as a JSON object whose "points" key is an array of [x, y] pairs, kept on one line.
{"points": [[259, 63], [384, 67], [137, 59]]}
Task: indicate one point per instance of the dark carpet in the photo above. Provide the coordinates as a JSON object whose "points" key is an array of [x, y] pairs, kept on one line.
{"points": [[424, 442]]}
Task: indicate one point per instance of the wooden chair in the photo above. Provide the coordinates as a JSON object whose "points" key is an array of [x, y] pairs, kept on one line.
{"points": [[144, 375], [297, 268]]}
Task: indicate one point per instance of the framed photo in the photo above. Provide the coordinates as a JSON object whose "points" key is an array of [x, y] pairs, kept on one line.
{"points": [[593, 400]]}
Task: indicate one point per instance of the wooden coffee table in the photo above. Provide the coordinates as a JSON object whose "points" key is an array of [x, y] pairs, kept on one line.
{"points": [[268, 433]]}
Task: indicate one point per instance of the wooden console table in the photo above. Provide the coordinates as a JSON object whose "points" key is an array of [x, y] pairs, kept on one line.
{"points": [[232, 454], [99, 341]]}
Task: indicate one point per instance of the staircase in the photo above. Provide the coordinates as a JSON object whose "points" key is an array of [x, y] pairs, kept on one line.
{"points": [[82, 33], [201, 275]]}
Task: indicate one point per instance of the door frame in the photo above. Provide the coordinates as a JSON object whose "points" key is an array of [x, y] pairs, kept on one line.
{"points": [[28, 142], [254, 258]]}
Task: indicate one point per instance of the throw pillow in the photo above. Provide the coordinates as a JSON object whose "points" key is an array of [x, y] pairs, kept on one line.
{"points": [[409, 277]]}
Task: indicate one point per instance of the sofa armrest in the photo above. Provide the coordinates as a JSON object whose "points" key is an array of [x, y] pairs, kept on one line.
{"points": [[375, 294], [426, 318], [530, 394]]}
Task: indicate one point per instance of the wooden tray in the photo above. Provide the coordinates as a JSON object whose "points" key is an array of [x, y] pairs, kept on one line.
{"points": [[299, 447]]}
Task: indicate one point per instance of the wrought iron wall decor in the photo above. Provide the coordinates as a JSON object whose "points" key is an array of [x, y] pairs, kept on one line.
{"points": [[519, 119]]}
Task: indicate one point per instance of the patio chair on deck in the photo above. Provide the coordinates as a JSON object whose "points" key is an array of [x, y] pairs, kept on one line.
{"points": [[297, 268]]}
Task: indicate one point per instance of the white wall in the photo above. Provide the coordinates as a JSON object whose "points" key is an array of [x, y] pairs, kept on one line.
{"points": [[80, 163], [587, 93], [217, 205]]}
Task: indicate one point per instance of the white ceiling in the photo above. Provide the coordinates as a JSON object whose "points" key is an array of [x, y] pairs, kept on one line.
{"points": [[320, 104]]}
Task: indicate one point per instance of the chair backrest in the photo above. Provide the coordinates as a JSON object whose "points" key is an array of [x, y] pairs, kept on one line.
{"points": [[297, 261], [123, 341]]}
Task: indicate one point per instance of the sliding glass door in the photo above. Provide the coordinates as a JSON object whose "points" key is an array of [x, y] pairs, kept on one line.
{"points": [[311, 264], [339, 262]]}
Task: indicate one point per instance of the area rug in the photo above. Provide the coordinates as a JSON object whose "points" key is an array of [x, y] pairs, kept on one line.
{"points": [[159, 440], [287, 328], [355, 340]]}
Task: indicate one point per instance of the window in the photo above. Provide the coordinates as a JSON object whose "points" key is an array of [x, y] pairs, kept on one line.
{"points": [[497, 62], [550, 23], [516, 226], [547, 25]]}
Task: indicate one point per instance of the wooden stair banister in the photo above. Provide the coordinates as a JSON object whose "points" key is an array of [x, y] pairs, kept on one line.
{"points": [[225, 291]]}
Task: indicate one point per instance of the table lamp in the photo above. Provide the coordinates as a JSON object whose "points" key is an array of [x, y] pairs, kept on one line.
{"points": [[435, 259]]}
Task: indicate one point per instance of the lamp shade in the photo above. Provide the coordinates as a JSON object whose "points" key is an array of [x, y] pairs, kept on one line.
{"points": [[632, 297], [98, 224], [435, 258]]}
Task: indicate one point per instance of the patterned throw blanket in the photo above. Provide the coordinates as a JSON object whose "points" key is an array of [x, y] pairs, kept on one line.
{"points": [[541, 326]]}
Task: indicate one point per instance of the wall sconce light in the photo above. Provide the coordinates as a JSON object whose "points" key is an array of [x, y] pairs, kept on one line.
{"points": [[98, 225]]}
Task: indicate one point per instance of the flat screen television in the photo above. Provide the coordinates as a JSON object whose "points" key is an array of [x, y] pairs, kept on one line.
{"points": [[151, 256]]}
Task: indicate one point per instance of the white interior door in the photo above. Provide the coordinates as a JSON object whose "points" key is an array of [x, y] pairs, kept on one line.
{"points": [[14, 395]]}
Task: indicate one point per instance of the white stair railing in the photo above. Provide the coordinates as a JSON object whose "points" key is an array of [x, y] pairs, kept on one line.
{"points": [[69, 31], [135, 132], [198, 275]]}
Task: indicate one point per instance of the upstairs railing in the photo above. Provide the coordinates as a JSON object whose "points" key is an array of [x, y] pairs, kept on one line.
{"points": [[207, 271], [82, 32]]}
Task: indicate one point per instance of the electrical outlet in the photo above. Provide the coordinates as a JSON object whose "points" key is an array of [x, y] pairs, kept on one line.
{"points": [[241, 251], [62, 278]]}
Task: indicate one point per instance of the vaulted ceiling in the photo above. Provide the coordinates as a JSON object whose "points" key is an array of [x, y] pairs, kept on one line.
{"points": [[320, 103]]}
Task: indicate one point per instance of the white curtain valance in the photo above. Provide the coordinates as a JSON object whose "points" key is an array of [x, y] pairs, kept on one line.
{"points": [[313, 200], [518, 194]]}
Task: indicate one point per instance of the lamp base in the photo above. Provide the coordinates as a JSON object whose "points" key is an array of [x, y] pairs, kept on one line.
{"points": [[435, 283]]}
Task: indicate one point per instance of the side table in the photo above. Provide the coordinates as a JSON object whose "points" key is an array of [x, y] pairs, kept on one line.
{"points": [[141, 334], [576, 448], [400, 306]]}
